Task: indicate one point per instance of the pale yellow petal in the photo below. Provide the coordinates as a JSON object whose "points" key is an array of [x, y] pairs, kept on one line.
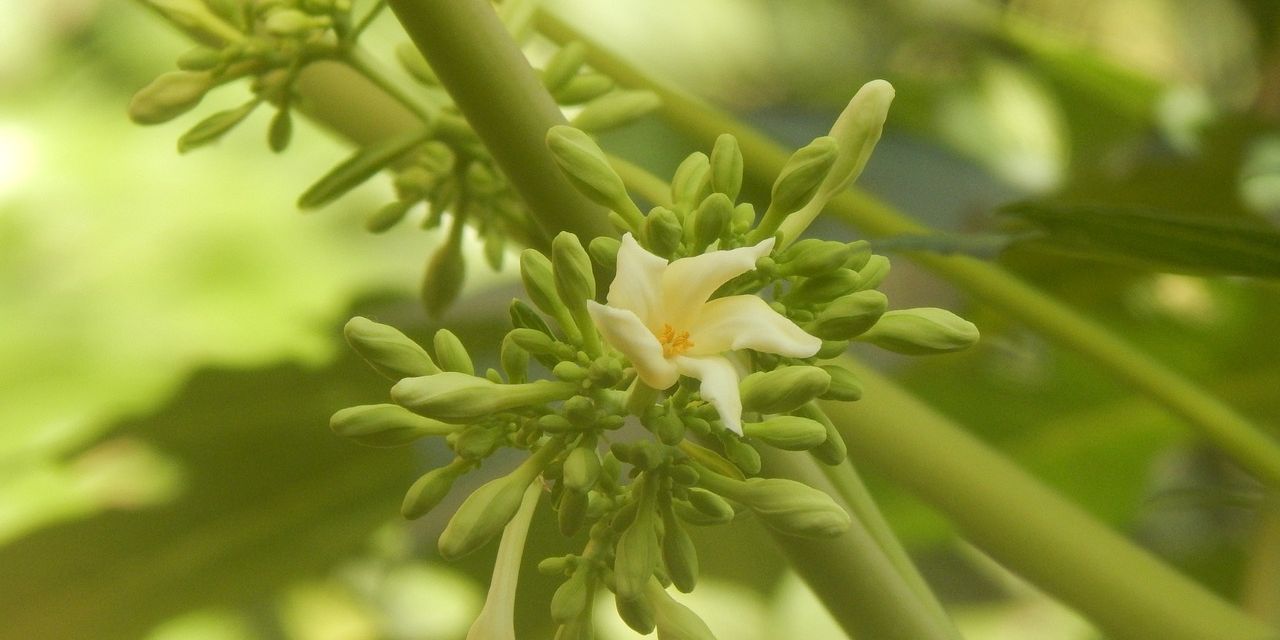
{"points": [[718, 385], [626, 333], [689, 282], [637, 286], [747, 322]]}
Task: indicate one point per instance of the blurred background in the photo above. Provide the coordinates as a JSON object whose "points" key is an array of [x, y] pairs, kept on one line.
{"points": [[170, 344]]}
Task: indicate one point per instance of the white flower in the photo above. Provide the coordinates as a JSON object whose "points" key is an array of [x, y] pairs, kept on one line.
{"points": [[659, 315]]}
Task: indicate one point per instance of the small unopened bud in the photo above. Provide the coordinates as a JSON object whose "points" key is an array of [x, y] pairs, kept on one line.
{"points": [[662, 230], [571, 512], [533, 341], [615, 109], [824, 288], [637, 612], [388, 351], [385, 425], [430, 489], [571, 268], [457, 397], [678, 553], [744, 216], [571, 598], [199, 59], [788, 432], [833, 450], [581, 469], [445, 275], [452, 354], [711, 220], [726, 166], [674, 620], [387, 216], [585, 165], [781, 390], [797, 183], [636, 555], [583, 87], [214, 127], [873, 272], [794, 508], [291, 22], [692, 181], [921, 332], [488, 509], [845, 386], [813, 257], [849, 316], [540, 283], [169, 96]]}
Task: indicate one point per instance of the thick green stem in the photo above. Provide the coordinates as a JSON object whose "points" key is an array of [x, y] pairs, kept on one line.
{"points": [[494, 86], [1221, 424], [871, 597], [1026, 526]]}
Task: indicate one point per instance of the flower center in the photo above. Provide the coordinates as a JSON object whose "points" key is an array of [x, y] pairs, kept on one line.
{"points": [[673, 343]]}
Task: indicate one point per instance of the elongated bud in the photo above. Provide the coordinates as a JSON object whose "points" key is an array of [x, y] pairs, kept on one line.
{"points": [[845, 386], [726, 166], [563, 65], [540, 283], [637, 612], [387, 216], [585, 165], [743, 455], [781, 390], [497, 618], [662, 229], [169, 96], [678, 553], [477, 441], [581, 468], [514, 359], [813, 257], [385, 425], [691, 182], [533, 341], [195, 16], [571, 267], [921, 332], [571, 598], [291, 22], [744, 216], [488, 509], [604, 251], [430, 489], [214, 127], [850, 315], [788, 432], [873, 272], [833, 450], [452, 353], [673, 620], [711, 220], [856, 131], [824, 288], [445, 275], [636, 554], [388, 351], [794, 508], [797, 183], [571, 512], [615, 109], [457, 397]]}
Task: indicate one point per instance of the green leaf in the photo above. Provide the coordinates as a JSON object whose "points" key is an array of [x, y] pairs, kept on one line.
{"points": [[1154, 239], [358, 167]]}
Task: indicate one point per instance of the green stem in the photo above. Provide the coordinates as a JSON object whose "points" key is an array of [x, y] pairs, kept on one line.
{"points": [[494, 86], [872, 598], [1217, 421], [1026, 526]]}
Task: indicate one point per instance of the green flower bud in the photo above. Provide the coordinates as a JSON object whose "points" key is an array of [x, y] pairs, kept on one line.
{"points": [[678, 553], [555, 423], [845, 386], [615, 109], [387, 216], [691, 183], [585, 165], [452, 354], [794, 508], [797, 183], [524, 317], [569, 372], [556, 565], [726, 166], [636, 555], [873, 272], [708, 458], [385, 425], [388, 351], [662, 230], [637, 612], [668, 427], [445, 274], [832, 349], [711, 220], [692, 516], [861, 254], [782, 390], [571, 267], [833, 450], [744, 216], [291, 22], [850, 315], [571, 598], [540, 284], [199, 59], [684, 475], [813, 257], [743, 455], [788, 432], [514, 359], [571, 512], [604, 251], [674, 620], [563, 65], [583, 87], [824, 288], [430, 489], [711, 504], [580, 410], [214, 127], [281, 131], [488, 509], [457, 397], [478, 442], [581, 469], [195, 17], [495, 248], [533, 341], [921, 332], [169, 96]]}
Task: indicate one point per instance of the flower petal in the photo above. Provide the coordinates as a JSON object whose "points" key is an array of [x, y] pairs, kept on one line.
{"points": [[626, 333], [687, 283], [637, 286], [748, 322], [719, 386]]}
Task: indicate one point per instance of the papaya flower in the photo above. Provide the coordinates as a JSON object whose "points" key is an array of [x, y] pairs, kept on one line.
{"points": [[660, 315]]}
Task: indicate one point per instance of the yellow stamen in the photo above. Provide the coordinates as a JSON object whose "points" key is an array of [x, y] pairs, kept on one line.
{"points": [[674, 344]]}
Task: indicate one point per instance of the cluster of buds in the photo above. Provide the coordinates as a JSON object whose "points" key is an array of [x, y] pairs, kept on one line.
{"points": [[656, 403]]}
